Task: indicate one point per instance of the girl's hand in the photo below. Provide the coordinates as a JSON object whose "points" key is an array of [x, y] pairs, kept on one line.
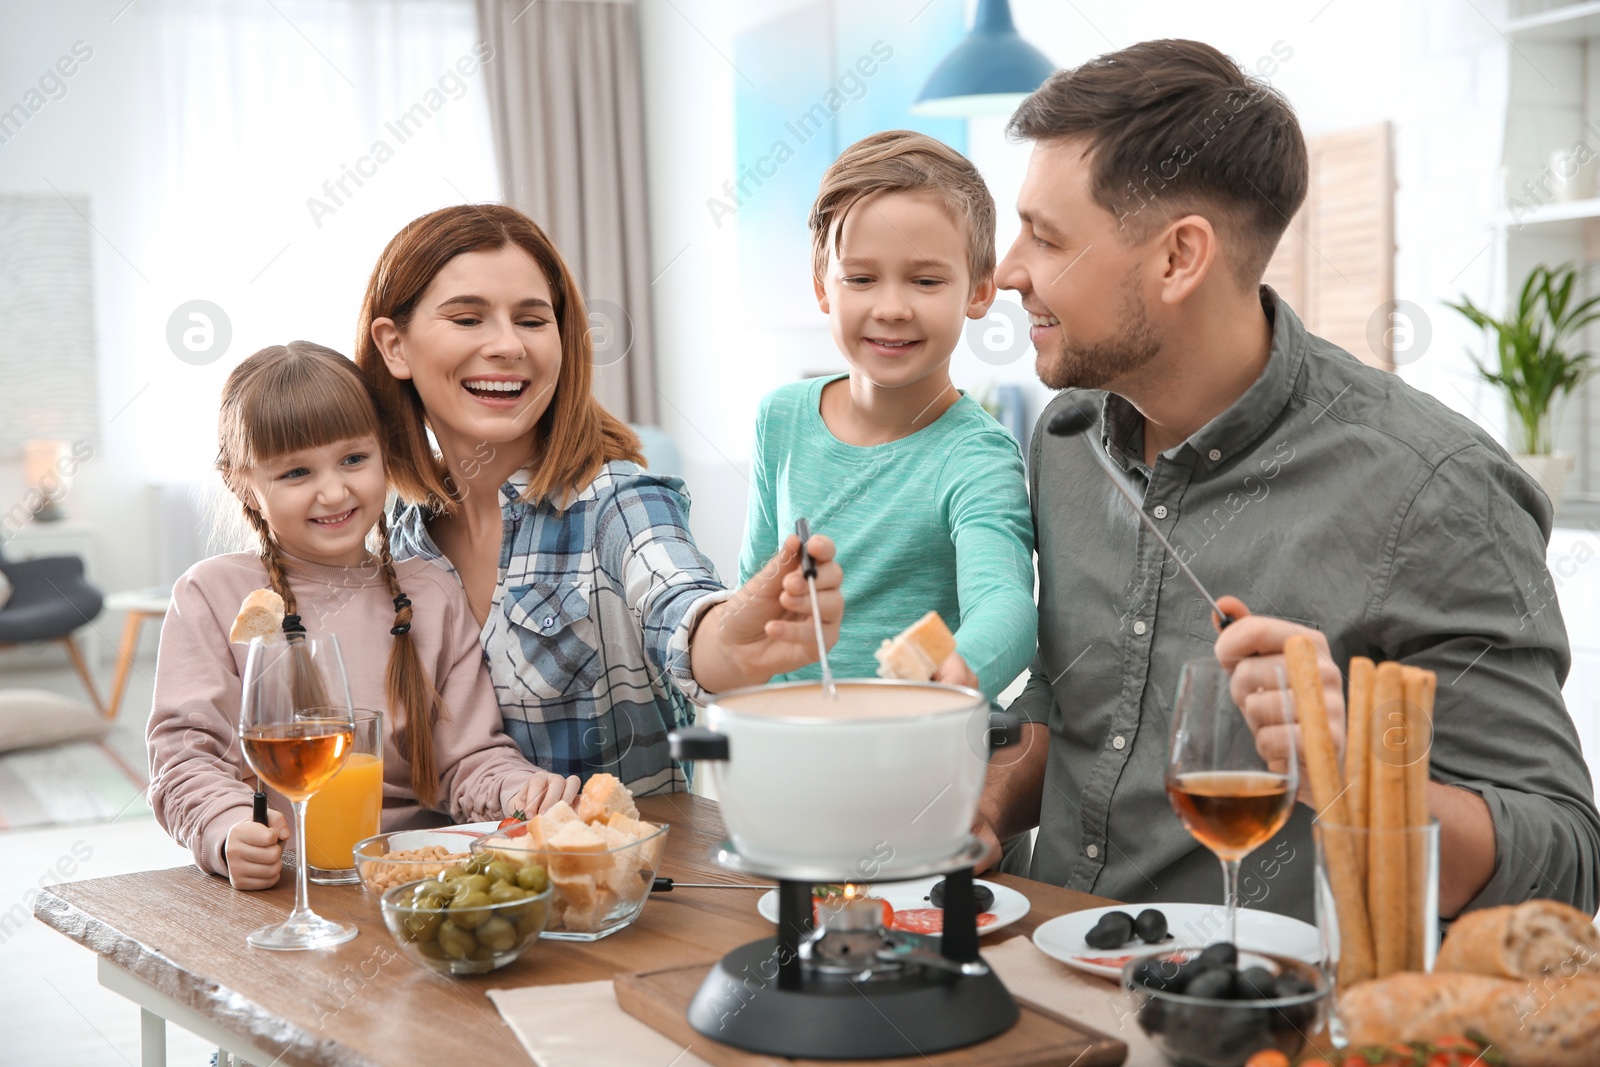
{"points": [[254, 853], [954, 671], [544, 791], [766, 627]]}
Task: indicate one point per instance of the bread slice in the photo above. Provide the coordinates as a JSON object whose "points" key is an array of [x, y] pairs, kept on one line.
{"points": [[605, 795], [576, 849], [1551, 1023], [917, 653], [260, 615], [1531, 940], [633, 829]]}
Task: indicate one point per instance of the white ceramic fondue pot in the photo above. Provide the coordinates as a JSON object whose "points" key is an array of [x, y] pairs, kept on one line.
{"points": [[885, 778]]}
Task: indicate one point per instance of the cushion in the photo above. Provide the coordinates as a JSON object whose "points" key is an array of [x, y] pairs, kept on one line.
{"points": [[32, 718]]}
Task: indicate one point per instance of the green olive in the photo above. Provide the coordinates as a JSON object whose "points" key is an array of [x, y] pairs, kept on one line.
{"points": [[533, 878], [479, 882], [479, 863], [470, 911], [505, 892], [457, 943], [483, 954], [497, 934], [531, 921], [501, 871], [432, 950], [421, 925]]}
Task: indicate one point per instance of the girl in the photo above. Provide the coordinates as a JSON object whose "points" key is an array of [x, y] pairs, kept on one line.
{"points": [[299, 446], [599, 613]]}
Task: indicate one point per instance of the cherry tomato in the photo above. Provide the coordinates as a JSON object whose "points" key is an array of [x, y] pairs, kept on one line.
{"points": [[517, 823], [1267, 1057]]}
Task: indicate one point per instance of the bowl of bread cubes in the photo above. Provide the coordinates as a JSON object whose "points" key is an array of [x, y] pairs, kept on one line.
{"points": [[601, 858]]}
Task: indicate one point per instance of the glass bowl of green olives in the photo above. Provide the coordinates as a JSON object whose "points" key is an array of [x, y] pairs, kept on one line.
{"points": [[472, 917]]}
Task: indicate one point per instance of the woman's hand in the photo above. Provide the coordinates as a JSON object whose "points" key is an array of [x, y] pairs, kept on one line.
{"points": [[542, 792], [254, 853], [766, 627]]}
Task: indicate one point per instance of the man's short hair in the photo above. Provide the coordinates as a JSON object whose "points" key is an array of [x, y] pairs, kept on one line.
{"points": [[1174, 128], [900, 161]]}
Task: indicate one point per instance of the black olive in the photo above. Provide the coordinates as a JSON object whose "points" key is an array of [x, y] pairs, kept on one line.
{"points": [[1214, 984], [1156, 973], [982, 895], [1223, 953], [1151, 926], [1290, 985], [1257, 983], [1114, 930]]}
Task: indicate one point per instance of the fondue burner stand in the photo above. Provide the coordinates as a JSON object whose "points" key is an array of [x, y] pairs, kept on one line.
{"points": [[852, 989]]}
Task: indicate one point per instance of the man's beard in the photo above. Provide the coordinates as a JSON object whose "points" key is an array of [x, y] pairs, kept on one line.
{"points": [[1091, 366]]}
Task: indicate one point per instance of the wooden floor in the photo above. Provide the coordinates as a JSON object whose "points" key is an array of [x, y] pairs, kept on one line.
{"points": [[52, 1009]]}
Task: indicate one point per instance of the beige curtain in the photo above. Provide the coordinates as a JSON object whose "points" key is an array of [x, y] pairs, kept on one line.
{"points": [[568, 114]]}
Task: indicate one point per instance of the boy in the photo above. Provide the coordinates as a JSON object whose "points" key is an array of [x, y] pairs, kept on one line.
{"points": [[921, 490]]}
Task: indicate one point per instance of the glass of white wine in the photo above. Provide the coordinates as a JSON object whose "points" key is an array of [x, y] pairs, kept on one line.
{"points": [[296, 729], [1225, 793]]}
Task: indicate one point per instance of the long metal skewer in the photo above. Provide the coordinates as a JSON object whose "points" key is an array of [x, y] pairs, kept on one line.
{"points": [[1071, 422], [808, 567]]}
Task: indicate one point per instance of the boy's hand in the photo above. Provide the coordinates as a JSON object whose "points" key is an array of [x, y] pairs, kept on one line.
{"points": [[766, 627], [544, 791], [954, 671], [254, 853]]}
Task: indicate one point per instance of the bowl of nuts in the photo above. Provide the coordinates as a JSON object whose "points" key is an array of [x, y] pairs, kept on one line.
{"points": [[472, 917], [387, 860]]}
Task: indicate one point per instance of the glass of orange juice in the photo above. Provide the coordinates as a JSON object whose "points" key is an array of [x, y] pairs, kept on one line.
{"points": [[348, 808]]}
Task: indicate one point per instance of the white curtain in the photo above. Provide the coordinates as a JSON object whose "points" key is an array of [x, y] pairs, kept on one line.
{"points": [[288, 143]]}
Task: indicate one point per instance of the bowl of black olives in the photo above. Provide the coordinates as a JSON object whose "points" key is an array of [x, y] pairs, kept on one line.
{"points": [[1213, 1008]]}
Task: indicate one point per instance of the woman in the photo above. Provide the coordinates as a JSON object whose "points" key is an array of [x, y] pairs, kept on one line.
{"points": [[598, 612]]}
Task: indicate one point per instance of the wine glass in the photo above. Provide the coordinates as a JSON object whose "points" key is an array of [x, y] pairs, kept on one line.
{"points": [[296, 728], [1227, 796]]}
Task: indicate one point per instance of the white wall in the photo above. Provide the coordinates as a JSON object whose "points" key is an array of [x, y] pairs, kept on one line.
{"points": [[1435, 68]]}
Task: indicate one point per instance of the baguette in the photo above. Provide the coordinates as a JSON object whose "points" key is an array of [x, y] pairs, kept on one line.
{"points": [[260, 615], [1533, 940], [1555, 1024], [1327, 791], [916, 654]]}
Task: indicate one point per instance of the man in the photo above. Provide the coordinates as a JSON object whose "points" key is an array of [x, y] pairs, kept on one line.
{"points": [[1332, 498]]}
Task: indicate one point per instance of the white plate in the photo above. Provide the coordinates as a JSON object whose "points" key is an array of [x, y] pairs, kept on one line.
{"points": [[1009, 905], [1191, 926], [477, 827]]}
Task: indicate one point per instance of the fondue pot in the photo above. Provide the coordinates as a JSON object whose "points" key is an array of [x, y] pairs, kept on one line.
{"points": [[876, 784]]}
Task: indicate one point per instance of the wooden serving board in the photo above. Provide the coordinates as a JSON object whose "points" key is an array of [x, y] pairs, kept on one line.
{"points": [[1041, 1038]]}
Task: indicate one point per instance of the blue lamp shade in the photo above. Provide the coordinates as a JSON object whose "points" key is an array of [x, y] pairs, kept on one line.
{"points": [[988, 73]]}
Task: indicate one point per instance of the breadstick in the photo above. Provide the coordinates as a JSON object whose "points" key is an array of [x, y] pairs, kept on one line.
{"points": [[1420, 686], [1386, 869], [1358, 750], [1327, 791]]}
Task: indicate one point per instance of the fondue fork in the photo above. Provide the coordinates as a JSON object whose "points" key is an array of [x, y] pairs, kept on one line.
{"points": [[1073, 420], [808, 567]]}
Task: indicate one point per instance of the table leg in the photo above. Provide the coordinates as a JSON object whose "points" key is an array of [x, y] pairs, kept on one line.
{"points": [[125, 654], [152, 1039]]}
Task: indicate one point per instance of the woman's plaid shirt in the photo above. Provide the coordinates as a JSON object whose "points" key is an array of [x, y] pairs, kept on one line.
{"points": [[587, 639]]}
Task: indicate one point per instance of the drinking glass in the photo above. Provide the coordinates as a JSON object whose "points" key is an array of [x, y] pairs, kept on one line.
{"points": [[296, 730], [349, 809], [1227, 796]]}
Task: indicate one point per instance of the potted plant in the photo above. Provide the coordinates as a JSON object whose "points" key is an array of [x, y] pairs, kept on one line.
{"points": [[1537, 365]]}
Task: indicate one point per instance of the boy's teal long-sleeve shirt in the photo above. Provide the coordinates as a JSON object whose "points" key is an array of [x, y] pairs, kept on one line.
{"points": [[936, 521]]}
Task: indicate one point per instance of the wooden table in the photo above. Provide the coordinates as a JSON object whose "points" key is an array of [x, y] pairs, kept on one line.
{"points": [[173, 941]]}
